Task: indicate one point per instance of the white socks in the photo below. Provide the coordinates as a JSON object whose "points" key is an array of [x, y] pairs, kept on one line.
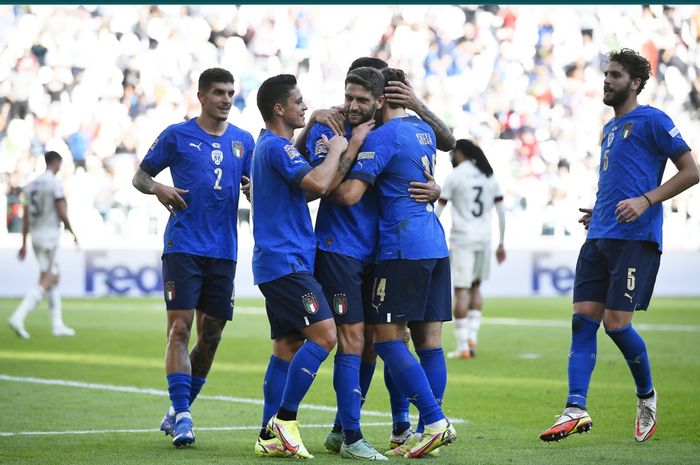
{"points": [[461, 333], [55, 307], [474, 318], [29, 303]]}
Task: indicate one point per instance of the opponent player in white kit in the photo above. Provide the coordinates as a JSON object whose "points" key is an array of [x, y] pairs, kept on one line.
{"points": [[473, 191], [45, 209]]}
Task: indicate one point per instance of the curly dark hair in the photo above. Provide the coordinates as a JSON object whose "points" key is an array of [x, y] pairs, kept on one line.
{"points": [[636, 65]]}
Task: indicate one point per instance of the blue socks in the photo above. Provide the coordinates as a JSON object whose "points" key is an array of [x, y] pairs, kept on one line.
{"points": [[582, 358], [400, 406], [197, 385], [179, 387], [634, 350], [366, 374], [433, 363], [410, 378], [273, 387], [346, 382], [302, 372]]}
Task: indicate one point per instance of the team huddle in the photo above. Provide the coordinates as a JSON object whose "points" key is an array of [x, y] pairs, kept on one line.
{"points": [[376, 272]]}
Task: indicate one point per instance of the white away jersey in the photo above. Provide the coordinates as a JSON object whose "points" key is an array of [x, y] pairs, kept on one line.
{"points": [[472, 195], [41, 195]]}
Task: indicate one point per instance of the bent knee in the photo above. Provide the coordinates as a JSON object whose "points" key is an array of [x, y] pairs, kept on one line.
{"points": [[179, 331]]}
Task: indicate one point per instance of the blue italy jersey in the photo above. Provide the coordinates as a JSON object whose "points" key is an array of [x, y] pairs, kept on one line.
{"points": [[210, 168], [392, 156], [634, 150], [284, 236], [352, 230]]}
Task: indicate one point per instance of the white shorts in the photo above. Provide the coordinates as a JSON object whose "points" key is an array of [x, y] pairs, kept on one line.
{"points": [[469, 264], [46, 256]]}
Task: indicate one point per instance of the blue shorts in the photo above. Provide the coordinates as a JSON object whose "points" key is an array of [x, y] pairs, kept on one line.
{"points": [[411, 290], [204, 283], [347, 284], [619, 273], [292, 302]]}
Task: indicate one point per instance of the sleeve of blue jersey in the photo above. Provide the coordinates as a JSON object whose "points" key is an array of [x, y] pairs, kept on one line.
{"points": [[249, 145], [288, 162], [371, 160], [668, 138], [314, 146], [159, 156]]}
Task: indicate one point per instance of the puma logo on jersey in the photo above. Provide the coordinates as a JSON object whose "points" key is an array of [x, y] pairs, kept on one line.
{"points": [[197, 146], [629, 296]]}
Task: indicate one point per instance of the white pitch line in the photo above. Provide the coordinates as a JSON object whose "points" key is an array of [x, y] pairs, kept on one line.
{"points": [[163, 393], [152, 430]]}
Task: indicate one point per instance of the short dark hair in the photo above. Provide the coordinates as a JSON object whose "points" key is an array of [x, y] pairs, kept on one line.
{"points": [[636, 65], [212, 75], [369, 78], [394, 74], [471, 151], [272, 91], [369, 62], [51, 156]]}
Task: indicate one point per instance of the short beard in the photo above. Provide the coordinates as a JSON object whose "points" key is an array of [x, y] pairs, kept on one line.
{"points": [[619, 97], [366, 117]]}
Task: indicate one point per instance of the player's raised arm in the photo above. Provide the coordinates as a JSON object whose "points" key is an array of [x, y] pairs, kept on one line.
{"points": [[402, 94], [330, 117]]}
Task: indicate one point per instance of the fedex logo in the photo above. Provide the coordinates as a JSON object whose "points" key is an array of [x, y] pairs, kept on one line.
{"points": [[105, 274], [560, 278]]}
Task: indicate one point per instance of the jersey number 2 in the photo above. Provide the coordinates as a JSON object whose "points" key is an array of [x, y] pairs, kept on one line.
{"points": [[218, 172]]}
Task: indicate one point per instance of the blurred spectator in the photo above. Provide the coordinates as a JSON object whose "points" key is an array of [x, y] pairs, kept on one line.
{"points": [[525, 81]]}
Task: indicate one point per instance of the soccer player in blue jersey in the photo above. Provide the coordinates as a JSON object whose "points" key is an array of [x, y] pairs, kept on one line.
{"points": [[412, 277], [301, 322], [347, 225], [619, 261], [208, 159], [345, 241]]}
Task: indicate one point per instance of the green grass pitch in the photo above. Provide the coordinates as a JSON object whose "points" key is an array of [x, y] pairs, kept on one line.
{"points": [[104, 397]]}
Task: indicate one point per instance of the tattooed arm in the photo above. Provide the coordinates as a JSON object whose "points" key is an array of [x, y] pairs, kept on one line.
{"points": [[168, 196], [403, 94]]}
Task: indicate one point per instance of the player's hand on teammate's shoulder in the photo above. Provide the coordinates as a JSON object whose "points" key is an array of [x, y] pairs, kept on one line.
{"points": [[170, 197], [629, 210], [586, 218], [332, 118], [424, 192], [335, 143], [360, 132], [245, 187]]}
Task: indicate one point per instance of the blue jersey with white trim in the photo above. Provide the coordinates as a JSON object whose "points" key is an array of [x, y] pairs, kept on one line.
{"points": [[351, 230], [284, 236], [210, 168], [634, 150], [392, 156]]}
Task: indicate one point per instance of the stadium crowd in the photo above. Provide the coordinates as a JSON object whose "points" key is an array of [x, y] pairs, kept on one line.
{"points": [[98, 83]]}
